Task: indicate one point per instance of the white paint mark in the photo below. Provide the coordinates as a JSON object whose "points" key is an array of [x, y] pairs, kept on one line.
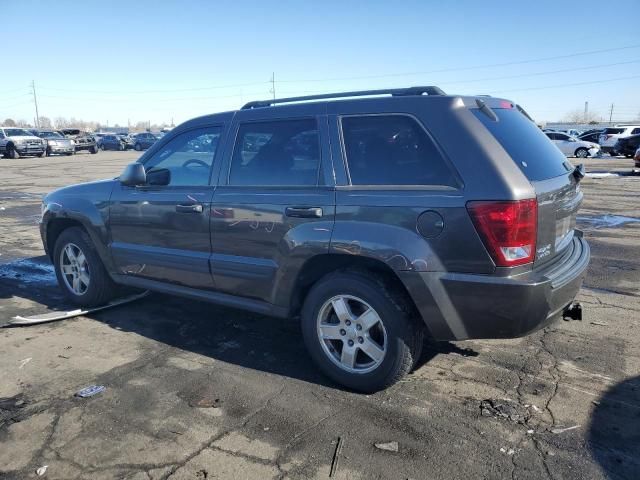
{"points": [[602, 175], [24, 362], [562, 430], [604, 221]]}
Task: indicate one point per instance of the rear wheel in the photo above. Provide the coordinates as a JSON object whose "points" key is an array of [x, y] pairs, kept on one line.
{"points": [[582, 152], [79, 270], [359, 332]]}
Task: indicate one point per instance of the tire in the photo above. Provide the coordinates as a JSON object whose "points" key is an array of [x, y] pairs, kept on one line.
{"points": [[102, 147], [137, 147], [94, 149], [613, 154], [395, 330], [40, 155], [100, 288], [48, 152], [628, 155], [12, 152], [581, 152]]}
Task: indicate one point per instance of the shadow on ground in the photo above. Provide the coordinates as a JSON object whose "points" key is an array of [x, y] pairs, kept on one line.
{"points": [[246, 339], [614, 434]]}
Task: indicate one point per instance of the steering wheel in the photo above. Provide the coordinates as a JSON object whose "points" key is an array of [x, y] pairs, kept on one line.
{"points": [[194, 162]]}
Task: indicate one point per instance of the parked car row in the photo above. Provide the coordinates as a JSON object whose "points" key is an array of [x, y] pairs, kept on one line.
{"points": [[117, 141], [612, 140]]}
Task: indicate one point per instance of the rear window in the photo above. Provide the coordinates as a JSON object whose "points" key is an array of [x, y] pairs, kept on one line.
{"points": [[528, 146]]}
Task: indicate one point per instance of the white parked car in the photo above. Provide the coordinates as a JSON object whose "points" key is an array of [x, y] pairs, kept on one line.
{"points": [[610, 135], [571, 146], [16, 141]]}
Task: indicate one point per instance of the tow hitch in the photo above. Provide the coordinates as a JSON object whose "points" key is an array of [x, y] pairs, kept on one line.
{"points": [[572, 312]]}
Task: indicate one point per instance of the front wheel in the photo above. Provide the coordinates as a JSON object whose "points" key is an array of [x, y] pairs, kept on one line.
{"points": [[94, 149], [582, 152], [79, 270], [12, 152], [137, 147], [359, 332]]}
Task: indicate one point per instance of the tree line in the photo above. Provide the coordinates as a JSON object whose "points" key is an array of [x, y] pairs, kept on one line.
{"points": [[63, 122]]}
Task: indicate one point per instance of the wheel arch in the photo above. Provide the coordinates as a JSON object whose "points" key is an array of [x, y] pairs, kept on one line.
{"points": [[321, 265]]}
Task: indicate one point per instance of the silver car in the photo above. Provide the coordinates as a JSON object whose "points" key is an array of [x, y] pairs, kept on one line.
{"points": [[57, 143]]}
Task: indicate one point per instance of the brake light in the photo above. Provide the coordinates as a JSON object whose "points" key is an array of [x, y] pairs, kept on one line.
{"points": [[508, 229]]}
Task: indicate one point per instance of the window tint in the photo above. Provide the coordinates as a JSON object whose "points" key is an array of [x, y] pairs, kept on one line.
{"points": [[552, 136], [538, 158], [635, 130], [276, 153], [562, 136], [392, 150], [185, 160]]}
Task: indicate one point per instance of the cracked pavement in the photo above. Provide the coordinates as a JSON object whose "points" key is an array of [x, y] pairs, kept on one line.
{"points": [[197, 391]]}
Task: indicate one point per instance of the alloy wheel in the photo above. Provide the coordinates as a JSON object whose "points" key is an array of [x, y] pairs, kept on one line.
{"points": [[75, 269], [352, 334]]}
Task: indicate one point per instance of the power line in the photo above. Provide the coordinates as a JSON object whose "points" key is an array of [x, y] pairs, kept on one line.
{"points": [[175, 90], [567, 84], [459, 69]]}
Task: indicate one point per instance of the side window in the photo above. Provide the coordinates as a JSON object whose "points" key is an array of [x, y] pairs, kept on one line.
{"points": [[561, 136], [276, 153], [552, 136], [635, 130], [392, 150], [185, 160]]}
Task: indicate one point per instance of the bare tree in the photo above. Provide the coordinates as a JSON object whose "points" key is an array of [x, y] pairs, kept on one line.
{"points": [[45, 122], [9, 122], [579, 116], [22, 123]]}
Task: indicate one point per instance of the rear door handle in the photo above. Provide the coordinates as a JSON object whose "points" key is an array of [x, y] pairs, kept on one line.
{"points": [[193, 208], [303, 212]]}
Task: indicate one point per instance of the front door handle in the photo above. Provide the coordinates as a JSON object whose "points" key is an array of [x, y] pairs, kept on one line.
{"points": [[303, 212], [193, 208]]}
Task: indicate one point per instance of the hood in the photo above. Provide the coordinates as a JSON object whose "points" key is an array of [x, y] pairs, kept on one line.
{"points": [[25, 137], [98, 188]]}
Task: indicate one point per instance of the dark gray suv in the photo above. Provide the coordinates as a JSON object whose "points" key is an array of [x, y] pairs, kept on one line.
{"points": [[375, 217]]}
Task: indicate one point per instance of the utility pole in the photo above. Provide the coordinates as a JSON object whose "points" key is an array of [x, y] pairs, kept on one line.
{"points": [[35, 101], [610, 114], [273, 84]]}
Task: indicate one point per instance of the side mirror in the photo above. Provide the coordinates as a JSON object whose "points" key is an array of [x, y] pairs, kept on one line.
{"points": [[133, 175]]}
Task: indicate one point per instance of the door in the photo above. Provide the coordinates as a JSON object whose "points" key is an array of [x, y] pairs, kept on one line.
{"points": [[160, 230], [564, 143], [274, 207]]}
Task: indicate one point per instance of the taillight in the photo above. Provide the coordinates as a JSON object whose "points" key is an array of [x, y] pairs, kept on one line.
{"points": [[508, 229]]}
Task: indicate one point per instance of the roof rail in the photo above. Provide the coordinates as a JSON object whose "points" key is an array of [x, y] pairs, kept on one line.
{"points": [[396, 92]]}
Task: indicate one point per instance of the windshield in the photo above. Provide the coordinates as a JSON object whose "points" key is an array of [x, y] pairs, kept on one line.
{"points": [[17, 132], [50, 135]]}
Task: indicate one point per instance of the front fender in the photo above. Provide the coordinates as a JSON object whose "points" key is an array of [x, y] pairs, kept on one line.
{"points": [[87, 205]]}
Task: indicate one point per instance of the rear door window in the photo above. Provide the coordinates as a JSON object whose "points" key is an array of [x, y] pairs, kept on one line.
{"points": [[392, 150], [276, 153], [537, 157]]}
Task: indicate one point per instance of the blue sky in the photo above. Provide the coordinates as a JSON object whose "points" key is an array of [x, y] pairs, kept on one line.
{"points": [[132, 61]]}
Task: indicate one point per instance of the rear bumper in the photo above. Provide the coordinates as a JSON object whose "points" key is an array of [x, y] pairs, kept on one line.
{"points": [[459, 306]]}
